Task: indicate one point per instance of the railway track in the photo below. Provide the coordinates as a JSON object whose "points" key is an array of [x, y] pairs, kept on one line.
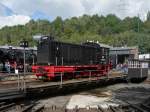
{"points": [[127, 108], [14, 107], [35, 106]]}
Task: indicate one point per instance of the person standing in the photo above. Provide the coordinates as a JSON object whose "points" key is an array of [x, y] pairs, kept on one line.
{"points": [[15, 65], [7, 66]]}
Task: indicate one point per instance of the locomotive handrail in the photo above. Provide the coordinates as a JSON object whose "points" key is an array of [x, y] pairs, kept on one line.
{"points": [[13, 74], [74, 71]]}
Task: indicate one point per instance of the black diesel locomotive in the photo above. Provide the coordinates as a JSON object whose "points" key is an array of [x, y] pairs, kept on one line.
{"points": [[54, 58], [51, 52]]}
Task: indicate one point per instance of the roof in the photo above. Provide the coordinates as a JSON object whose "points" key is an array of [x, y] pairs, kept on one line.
{"points": [[122, 48], [16, 47]]}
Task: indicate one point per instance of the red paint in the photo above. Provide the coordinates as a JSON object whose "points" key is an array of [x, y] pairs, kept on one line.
{"points": [[51, 72]]}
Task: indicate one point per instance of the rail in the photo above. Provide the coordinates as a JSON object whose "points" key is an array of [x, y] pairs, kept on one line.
{"points": [[20, 107], [37, 107], [121, 108]]}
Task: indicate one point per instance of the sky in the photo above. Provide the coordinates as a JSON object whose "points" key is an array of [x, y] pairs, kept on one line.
{"points": [[13, 12]]}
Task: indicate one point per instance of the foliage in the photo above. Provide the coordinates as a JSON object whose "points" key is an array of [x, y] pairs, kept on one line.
{"points": [[109, 30]]}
